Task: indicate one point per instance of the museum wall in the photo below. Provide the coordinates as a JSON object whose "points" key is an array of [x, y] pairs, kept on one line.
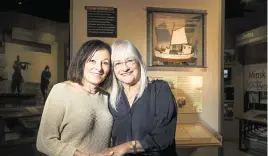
{"points": [[38, 62], [62, 37], [135, 31], [20, 29], [131, 22]]}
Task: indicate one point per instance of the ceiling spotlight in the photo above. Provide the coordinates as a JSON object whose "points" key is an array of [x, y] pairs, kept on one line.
{"points": [[20, 1]]}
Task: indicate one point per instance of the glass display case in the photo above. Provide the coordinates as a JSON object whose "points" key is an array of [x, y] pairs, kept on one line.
{"points": [[197, 134]]}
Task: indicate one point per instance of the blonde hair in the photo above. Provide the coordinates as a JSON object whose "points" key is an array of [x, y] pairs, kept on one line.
{"points": [[121, 50]]}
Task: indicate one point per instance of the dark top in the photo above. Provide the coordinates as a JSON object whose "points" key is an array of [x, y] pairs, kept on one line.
{"points": [[17, 66], [45, 76], [151, 120]]}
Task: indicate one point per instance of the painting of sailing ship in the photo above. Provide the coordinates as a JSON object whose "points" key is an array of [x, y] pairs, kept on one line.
{"points": [[176, 39]]}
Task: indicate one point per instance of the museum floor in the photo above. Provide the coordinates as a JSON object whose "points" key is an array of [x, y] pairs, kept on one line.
{"points": [[230, 149]]}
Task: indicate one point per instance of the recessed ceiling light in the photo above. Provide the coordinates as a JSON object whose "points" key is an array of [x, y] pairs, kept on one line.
{"points": [[21, 1]]}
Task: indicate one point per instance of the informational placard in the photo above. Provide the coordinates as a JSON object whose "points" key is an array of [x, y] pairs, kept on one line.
{"points": [[255, 77], [255, 83], [188, 91], [101, 21]]}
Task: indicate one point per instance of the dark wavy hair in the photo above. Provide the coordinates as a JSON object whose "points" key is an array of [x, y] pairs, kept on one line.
{"points": [[77, 65]]}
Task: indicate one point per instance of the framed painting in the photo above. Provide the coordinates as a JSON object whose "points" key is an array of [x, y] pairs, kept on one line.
{"points": [[175, 39]]}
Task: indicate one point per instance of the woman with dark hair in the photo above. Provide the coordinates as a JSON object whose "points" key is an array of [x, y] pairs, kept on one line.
{"points": [[76, 120]]}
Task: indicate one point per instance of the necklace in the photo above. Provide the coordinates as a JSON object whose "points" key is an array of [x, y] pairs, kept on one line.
{"points": [[80, 88], [130, 96], [83, 88], [131, 92], [91, 91]]}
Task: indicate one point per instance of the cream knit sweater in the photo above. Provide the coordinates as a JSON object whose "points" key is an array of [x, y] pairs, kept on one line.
{"points": [[74, 120]]}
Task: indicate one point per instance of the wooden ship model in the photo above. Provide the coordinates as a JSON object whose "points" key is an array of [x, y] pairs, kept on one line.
{"points": [[172, 47]]}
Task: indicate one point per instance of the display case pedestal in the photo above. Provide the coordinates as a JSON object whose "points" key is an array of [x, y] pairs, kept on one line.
{"points": [[196, 135]]}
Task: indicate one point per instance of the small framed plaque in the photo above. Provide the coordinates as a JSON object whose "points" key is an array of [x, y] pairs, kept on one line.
{"points": [[101, 21]]}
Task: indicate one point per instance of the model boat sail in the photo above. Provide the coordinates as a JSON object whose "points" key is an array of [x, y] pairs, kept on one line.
{"points": [[174, 48]]}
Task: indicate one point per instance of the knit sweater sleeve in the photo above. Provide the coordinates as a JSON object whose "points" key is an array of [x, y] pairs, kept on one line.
{"points": [[49, 134]]}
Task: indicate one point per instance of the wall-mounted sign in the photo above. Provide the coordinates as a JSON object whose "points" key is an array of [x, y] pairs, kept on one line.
{"points": [[254, 35], [101, 21]]}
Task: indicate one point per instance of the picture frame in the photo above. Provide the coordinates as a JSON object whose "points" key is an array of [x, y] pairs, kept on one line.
{"points": [[253, 97], [176, 39]]}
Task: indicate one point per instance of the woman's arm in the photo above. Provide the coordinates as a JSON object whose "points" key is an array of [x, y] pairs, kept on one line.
{"points": [[126, 147], [79, 153], [164, 133], [48, 138]]}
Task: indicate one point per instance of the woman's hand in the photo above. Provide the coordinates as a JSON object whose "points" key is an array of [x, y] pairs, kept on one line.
{"points": [[101, 154], [104, 153], [119, 150]]}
